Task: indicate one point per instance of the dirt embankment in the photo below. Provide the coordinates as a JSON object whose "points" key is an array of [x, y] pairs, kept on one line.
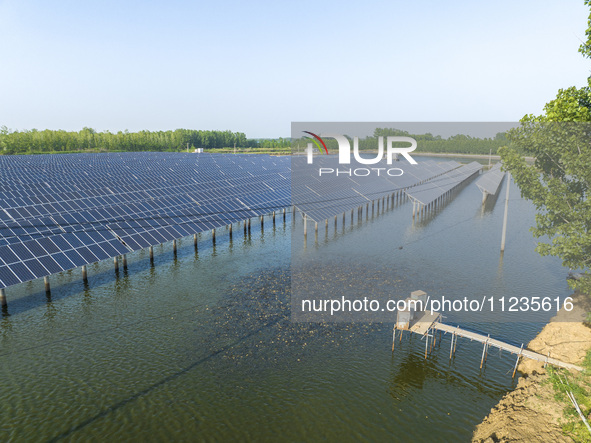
{"points": [[530, 413]]}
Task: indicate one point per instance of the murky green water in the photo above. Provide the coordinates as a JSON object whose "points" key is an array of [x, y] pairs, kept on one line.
{"points": [[202, 348]]}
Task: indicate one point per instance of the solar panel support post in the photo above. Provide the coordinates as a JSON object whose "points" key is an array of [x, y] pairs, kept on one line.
{"points": [[351, 216], [273, 217], [367, 211], [316, 232], [174, 247], [124, 258], [195, 241], [484, 196], [213, 236], [230, 228], [152, 254], [3, 298], [305, 227], [249, 225], [116, 263], [284, 212], [47, 286], [262, 222], [84, 274], [335, 223]]}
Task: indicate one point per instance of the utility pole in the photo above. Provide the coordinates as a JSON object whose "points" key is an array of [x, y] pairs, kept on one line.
{"points": [[504, 234]]}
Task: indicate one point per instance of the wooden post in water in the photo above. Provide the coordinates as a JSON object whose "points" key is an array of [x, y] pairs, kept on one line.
{"points": [[393, 338], [124, 257], [517, 362], [262, 222], [305, 228], [503, 235], [284, 211], [426, 343], [151, 254], [273, 217], [230, 233], [195, 241], [482, 358], [174, 247], [116, 263], [3, 298], [451, 347], [84, 274]]}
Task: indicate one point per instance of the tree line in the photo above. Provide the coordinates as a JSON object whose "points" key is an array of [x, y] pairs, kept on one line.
{"points": [[460, 143], [89, 140]]}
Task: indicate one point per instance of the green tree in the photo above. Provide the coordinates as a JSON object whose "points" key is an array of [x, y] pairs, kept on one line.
{"points": [[559, 181]]}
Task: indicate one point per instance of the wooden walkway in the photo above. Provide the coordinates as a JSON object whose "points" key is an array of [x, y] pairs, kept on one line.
{"points": [[427, 321]]}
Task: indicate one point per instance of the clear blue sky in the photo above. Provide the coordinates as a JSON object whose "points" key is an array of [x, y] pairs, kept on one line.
{"points": [[256, 66]]}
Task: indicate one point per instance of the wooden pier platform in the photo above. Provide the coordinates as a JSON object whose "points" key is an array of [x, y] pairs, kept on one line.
{"points": [[427, 321]]}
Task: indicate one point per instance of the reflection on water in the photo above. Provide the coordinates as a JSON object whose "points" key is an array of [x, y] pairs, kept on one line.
{"points": [[203, 347]]}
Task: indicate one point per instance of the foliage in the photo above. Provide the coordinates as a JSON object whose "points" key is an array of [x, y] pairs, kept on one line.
{"points": [[89, 140], [559, 181], [426, 143], [579, 384]]}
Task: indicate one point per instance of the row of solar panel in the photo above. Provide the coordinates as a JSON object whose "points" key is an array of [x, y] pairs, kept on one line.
{"points": [[428, 192], [325, 196], [80, 231], [491, 181]]}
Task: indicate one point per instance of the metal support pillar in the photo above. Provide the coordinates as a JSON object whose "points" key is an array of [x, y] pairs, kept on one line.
{"points": [[47, 286]]}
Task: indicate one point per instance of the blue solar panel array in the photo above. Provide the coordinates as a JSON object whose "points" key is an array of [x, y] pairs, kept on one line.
{"points": [[428, 192], [323, 196], [489, 183], [58, 212]]}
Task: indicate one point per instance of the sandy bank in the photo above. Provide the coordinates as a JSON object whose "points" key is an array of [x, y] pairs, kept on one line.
{"points": [[530, 413]]}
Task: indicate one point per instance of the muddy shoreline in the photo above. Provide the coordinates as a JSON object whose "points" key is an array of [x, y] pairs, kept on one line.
{"points": [[530, 413]]}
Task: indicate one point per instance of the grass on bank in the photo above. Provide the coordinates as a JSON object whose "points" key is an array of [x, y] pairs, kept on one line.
{"points": [[564, 381]]}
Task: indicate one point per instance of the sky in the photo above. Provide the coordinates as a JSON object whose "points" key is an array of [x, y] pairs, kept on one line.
{"points": [[255, 67]]}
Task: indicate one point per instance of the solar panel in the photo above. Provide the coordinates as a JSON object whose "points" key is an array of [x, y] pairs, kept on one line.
{"points": [[324, 196], [58, 212], [489, 183], [430, 191]]}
